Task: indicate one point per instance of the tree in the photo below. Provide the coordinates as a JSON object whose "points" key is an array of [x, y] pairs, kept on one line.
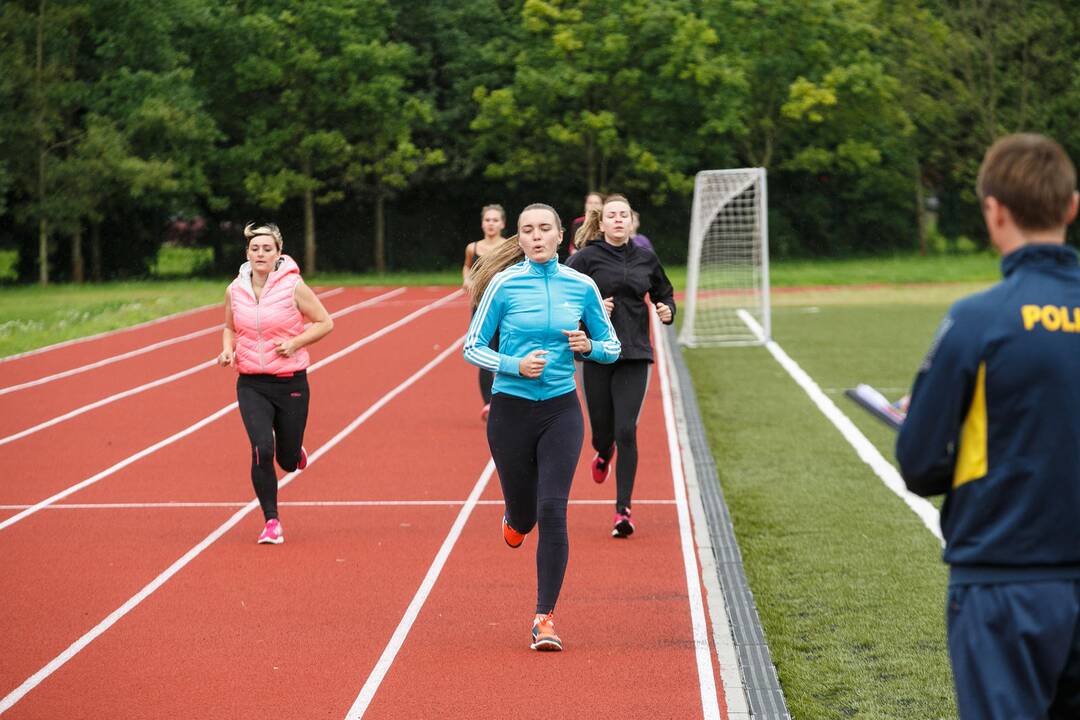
{"points": [[111, 109], [606, 94]]}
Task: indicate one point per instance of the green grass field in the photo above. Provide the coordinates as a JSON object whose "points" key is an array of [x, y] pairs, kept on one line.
{"points": [[849, 584]]}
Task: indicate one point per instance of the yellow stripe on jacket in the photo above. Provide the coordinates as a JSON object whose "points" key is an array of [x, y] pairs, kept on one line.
{"points": [[971, 462]]}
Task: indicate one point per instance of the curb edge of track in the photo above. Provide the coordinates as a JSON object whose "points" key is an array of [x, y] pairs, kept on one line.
{"points": [[760, 681]]}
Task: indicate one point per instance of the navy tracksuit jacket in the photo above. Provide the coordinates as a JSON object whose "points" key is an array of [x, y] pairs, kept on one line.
{"points": [[994, 424]]}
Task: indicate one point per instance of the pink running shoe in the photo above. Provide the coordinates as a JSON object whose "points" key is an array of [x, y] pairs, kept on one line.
{"points": [[624, 526], [601, 468], [272, 533], [484, 412], [302, 462]]}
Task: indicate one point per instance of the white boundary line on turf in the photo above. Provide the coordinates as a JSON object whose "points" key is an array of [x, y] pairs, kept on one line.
{"points": [[702, 651], [214, 416], [382, 666], [302, 503], [76, 647], [863, 447], [167, 379], [123, 356]]}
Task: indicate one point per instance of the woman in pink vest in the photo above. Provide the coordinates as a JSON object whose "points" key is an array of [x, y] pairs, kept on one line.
{"points": [[264, 339]]}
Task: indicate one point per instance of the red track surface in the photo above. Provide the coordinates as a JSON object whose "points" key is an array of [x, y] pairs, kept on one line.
{"points": [[295, 631]]}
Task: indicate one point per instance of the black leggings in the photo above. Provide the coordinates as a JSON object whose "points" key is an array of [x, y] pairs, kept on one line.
{"points": [[487, 378], [536, 445], [613, 394], [275, 412]]}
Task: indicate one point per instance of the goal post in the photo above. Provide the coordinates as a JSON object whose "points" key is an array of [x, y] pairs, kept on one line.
{"points": [[727, 279]]}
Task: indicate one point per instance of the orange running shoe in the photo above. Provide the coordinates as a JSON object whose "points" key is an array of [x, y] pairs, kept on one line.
{"points": [[543, 634], [512, 537]]}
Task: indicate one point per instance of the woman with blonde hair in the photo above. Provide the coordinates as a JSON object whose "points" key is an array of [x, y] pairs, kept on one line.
{"points": [[614, 392], [265, 340], [535, 429]]}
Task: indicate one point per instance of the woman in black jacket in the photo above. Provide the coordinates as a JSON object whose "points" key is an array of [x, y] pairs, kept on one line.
{"points": [[614, 393]]}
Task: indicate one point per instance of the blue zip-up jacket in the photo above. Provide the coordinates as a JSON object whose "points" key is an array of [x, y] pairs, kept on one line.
{"points": [[530, 304], [994, 423]]}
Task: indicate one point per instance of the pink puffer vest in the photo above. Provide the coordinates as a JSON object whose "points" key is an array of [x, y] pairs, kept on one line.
{"points": [[261, 325]]}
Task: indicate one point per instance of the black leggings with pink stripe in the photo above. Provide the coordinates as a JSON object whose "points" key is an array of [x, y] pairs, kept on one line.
{"points": [[275, 411]]}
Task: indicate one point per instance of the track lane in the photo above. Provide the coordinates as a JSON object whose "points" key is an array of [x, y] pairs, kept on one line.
{"points": [[47, 592], [623, 613], [312, 658], [622, 616], [49, 461], [226, 638], [131, 390], [34, 405]]}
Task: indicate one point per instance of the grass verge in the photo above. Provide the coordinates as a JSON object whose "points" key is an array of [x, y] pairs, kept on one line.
{"points": [[33, 316], [849, 584]]}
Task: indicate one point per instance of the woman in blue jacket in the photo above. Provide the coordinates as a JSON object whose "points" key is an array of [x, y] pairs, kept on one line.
{"points": [[535, 427]]}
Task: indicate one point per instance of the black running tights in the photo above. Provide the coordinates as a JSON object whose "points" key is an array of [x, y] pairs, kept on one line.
{"points": [[536, 445], [275, 412], [613, 395]]}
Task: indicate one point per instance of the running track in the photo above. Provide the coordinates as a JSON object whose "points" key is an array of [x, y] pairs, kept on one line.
{"points": [[142, 594]]}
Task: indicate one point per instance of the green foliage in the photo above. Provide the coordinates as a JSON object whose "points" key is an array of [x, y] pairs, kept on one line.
{"points": [[383, 117]]}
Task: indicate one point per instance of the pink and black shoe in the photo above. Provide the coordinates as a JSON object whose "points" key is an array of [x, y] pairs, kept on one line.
{"points": [[302, 462], [601, 468], [624, 526], [272, 533]]}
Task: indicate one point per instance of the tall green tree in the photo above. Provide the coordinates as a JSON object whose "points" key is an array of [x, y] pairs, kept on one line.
{"points": [[607, 94], [112, 112], [314, 101]]}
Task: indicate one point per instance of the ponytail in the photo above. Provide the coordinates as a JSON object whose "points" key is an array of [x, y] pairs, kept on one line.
{"points": [[590, 229], [494, 261]]}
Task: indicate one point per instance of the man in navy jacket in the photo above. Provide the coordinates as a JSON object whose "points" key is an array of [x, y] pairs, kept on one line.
{"points": [[994, 424]]}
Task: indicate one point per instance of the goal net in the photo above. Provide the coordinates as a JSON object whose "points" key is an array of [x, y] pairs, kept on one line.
{"points": [[727, 284]]}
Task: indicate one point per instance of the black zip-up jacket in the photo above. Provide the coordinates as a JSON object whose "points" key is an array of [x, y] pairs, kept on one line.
{"points": [[994, 424], [626, 273]]}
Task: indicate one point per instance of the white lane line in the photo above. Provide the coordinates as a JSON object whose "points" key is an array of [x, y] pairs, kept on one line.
{"points": [[865, 449], [76, 647], [167, 379], [214, 416], [382, 666], [710, 704], [301, 503], [107, 333], [731, 677], [117, 358]]}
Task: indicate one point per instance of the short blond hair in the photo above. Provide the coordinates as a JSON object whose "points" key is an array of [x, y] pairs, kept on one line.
{"points": [[252, 230]]}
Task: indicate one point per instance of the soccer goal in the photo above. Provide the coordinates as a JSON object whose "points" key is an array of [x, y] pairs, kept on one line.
{"points": [[727, 283]]}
